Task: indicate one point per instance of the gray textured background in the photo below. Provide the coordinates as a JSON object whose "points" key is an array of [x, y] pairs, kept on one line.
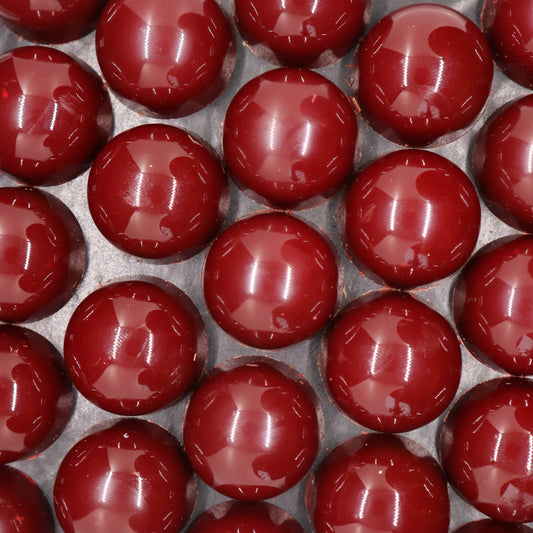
{"points": [[106, 263]]}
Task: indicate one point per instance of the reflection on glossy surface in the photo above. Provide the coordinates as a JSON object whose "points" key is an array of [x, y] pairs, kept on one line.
{"points": [[508, 26], [42, 254], [129, 477], [309, 33], [251, 430], [410, 218], [172, 58], [36, 397], [486, 448], [23, 507], [502, 163], [133, 347], [423, 74], [493, 526], [55, 115], [493, 304], [290, 138], [377, 482], [270, 280], [245, 517], [392, 363], [156, 191], [51, 21]]}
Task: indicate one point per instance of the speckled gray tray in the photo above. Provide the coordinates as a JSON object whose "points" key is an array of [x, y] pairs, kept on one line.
{"points": [[106, 263]]}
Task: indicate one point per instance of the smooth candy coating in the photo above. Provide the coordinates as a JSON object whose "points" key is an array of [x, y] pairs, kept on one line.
{"points": [[486, 445], [410, 218], [492, 304], [245, 517], [377, 482], [55, 115], [23, 506], [391, 362], [157, 192], [168, 58], [492, 526], [130, 476], [44, 21], [290, 138], [42, 254], [36, 395], [270, 280], [508, 26], [502, 163], [309, 33], [251, 430], [423, 74], [133, 347]]}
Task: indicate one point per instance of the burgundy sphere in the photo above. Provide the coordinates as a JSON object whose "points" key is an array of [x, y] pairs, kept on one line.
{"points": [[55, 115], [251, 430], [166, 58], [423, 74], [133, 347]]}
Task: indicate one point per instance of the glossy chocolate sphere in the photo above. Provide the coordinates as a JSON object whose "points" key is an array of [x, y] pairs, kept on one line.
{"points": [[508, 26], [129, 477], [157, 192], [55, 115], [502, 163], [391, 362], [245, 517], [309, 33], [36, 396], [168, 58], [251, 430], [42, 254], [23, 507], [492, 304], [270, 280], [410, 218], [423, 74], [493, 526], [486, 447], [290, 138], [133, 347], [377, 482], [44, 21]]}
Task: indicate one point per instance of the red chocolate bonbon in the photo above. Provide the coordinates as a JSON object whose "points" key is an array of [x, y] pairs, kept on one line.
{"points": [[508, 25], [240, 517], [378, 482], [158, 192], [502, 163], [410, 218], [55, 115], [23, 506], [36, 395], [133, 347], [312, 33], [42, 254], [127, 476], [270, 280], [492, 304], [168, 58], [290, 138], [44, 21], [486, 446], [391, 362], [493, 526], [423, 74], [252, 430]]}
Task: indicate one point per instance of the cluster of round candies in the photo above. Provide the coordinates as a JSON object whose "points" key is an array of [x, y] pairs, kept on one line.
{"points": [[253, 427]]}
